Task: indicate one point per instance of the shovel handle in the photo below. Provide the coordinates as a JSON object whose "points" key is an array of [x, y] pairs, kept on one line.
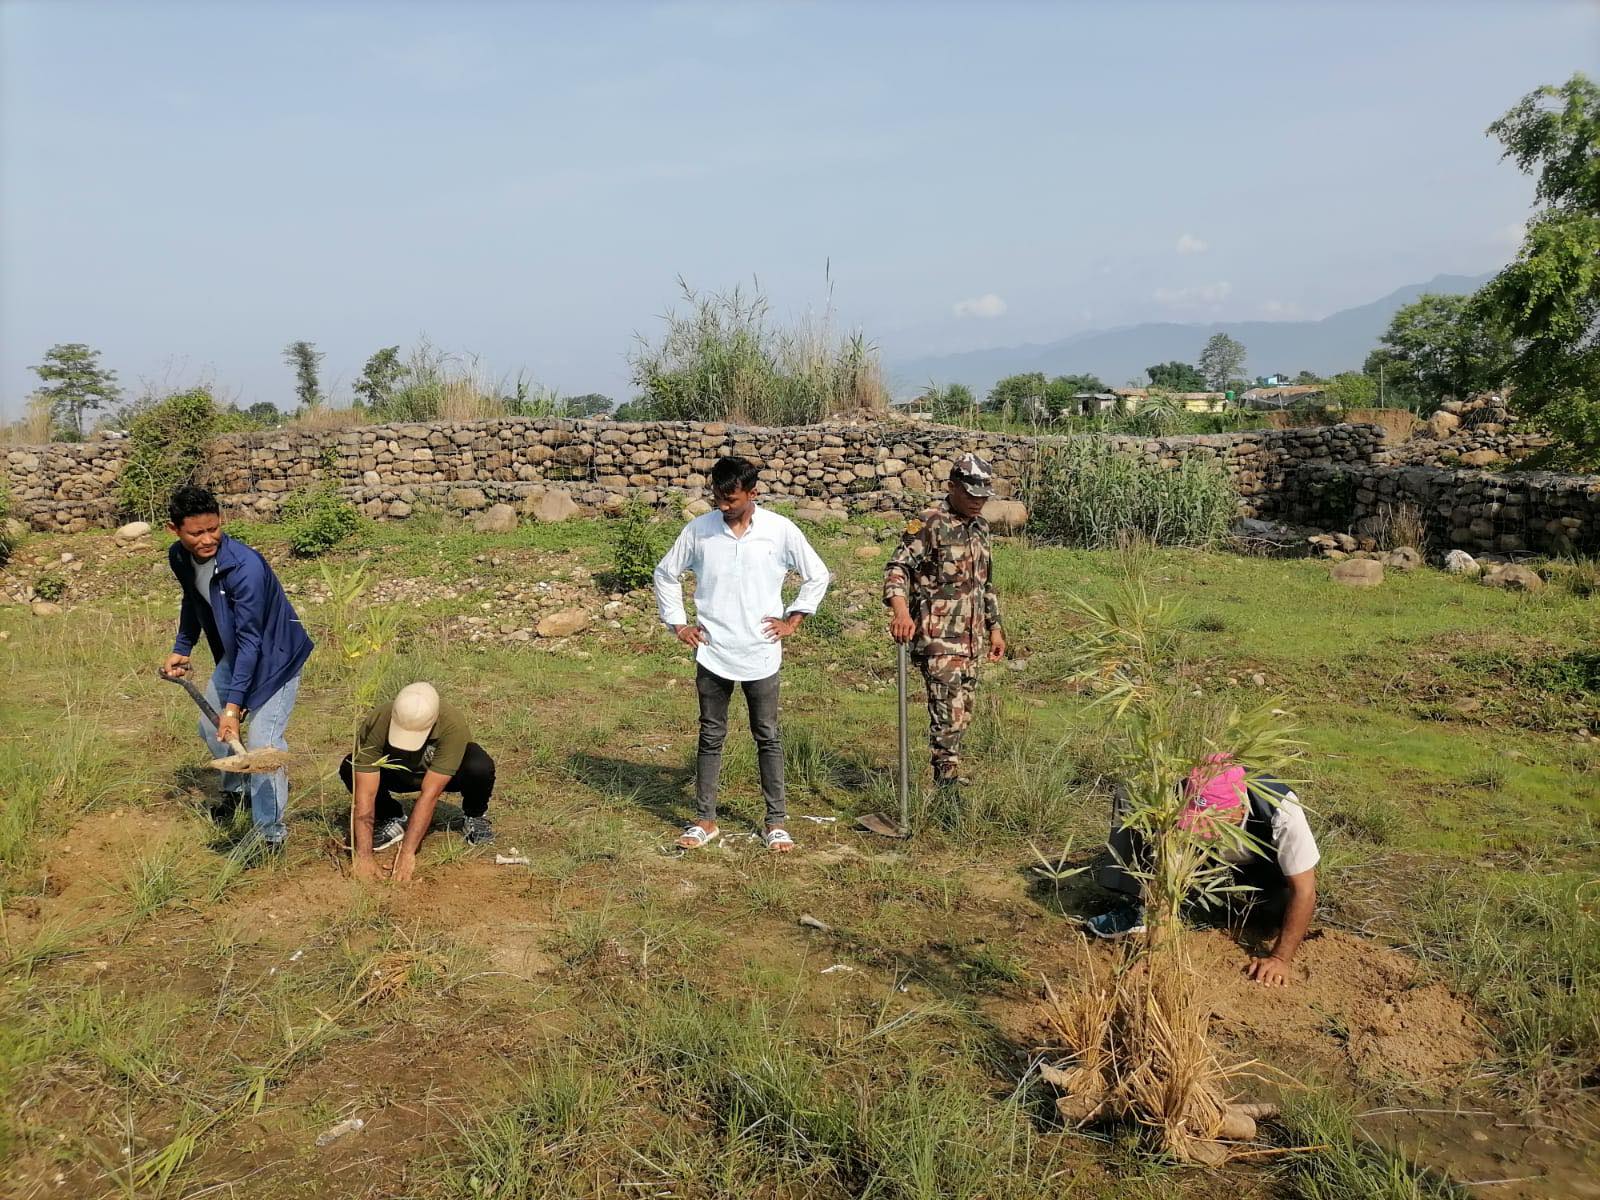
{"points": [[905, 751], [199, 698]]}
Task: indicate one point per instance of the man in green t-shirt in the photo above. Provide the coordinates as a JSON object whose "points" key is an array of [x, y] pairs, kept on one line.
{"points": [[416, 743]]}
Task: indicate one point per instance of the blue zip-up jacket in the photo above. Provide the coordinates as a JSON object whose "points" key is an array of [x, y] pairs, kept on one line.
{"points": [[249, 621]]}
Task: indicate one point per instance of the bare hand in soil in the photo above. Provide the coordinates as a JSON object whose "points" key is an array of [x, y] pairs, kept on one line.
{"points": [[405, 865], [365, 869], [1273, 972], [176, 665]]}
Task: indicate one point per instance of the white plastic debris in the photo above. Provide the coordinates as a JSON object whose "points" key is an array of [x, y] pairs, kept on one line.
{"points": [[333, 1134], [836, 968], [511, 860], [818, 820]]}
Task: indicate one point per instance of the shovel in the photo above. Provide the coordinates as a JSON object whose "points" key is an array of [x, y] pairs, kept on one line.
{"points": [[241, 761], [879, 823]]}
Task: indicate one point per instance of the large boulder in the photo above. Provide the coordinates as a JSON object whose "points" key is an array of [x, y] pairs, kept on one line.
{"points": [[696, 508], [1357, 572], [1514, 577], [1403, 558], [469, 498], [564, 623], [1482, 458], [552, 507], [47, 608], [133, 531], [1442, 424], [500, 518], [1006, 516], [1459, 562]]}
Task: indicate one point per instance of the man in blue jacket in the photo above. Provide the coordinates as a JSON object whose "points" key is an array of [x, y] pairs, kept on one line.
{"points": [[257, 644]]}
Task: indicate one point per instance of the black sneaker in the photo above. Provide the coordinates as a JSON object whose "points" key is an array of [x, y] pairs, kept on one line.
{"points": [[228, 804], [1118, 923], [391, 831], [477, 831]]}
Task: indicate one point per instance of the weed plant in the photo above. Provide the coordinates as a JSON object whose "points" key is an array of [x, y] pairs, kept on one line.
{"points": [[638, 541], [317, 519], [1088, 492]]}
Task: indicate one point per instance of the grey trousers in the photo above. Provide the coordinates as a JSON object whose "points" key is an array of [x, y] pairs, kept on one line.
{"points": [[761, 698]]}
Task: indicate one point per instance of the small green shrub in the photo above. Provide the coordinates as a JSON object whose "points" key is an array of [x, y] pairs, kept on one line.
{"points": [[50, 586], [637, 543], [318, 520], [825, 624], [166, 448], [1088, 492]]}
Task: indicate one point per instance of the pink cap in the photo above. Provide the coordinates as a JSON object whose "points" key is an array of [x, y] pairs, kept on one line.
{"points": [[1214, 788]]}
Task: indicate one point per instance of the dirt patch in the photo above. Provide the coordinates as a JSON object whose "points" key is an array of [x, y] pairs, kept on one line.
{"points": [[1356, 1010], [1352, 1001]]}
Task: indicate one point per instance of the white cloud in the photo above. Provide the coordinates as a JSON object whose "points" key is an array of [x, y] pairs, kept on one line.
{"points": [[986, 305], [1281, 308], [1189, 244], [1199, 296]]}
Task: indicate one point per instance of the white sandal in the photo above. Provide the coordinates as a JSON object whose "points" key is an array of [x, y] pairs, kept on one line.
{"points": [[776, 838], [694, 836]]}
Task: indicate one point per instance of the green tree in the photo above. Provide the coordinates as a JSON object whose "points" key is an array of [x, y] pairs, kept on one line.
{"points": [[1018, 397], [1221, 361], [590, 404], [1548, 298], [305, 360], [1176, 377], [950, 403], [1441, 348], [1350, 389], [378, 379], [265, 414], [74, 382]]}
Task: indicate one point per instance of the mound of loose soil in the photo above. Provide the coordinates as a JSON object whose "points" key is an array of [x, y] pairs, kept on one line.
{"points": [[1352, 1001]]}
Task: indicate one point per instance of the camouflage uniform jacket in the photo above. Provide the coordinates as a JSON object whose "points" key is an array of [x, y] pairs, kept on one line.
{"points": [[942, 568]]}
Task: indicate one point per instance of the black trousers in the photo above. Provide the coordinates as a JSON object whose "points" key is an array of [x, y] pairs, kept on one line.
{"points": [[474, 782], [761, 698]]}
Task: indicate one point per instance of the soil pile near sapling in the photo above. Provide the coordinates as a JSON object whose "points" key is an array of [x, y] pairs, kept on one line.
{"points": [[1352, 1001]]}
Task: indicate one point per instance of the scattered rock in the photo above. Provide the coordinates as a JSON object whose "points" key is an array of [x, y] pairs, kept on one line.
{"points": [[47, 608], [133, 530], [500, 518], [1403, 558], [1514, 577], [696, 508], [564, 623], [1006, 516], [1459, 562], [552, 507], [1482, 458], [1358, 572], [469, 499]]}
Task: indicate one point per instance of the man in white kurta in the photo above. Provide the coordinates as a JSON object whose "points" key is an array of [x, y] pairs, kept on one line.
{"points": [[740, 555]]}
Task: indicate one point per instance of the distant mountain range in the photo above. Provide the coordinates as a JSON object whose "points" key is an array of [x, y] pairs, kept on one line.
{"points": [[1339, 342]]}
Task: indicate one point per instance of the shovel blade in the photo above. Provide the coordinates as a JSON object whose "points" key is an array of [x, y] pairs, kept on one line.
{"points": [[252, 762], [881, 825]]}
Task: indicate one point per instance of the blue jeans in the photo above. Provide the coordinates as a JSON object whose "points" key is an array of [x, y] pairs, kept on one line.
{"points": [[269, 794]]}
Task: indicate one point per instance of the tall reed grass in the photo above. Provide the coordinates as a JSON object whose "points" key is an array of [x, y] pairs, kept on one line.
{"points": [[724, 360], [1088, 492]]}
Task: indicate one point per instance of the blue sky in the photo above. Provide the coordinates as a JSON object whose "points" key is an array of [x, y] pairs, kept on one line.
{"points": [[191, 186]]}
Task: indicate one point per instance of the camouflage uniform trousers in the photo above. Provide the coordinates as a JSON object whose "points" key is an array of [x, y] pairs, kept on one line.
{"points": [[950, 680]]}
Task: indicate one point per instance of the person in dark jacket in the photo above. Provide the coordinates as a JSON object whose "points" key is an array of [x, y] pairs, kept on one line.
{"points": [[258, 646]]}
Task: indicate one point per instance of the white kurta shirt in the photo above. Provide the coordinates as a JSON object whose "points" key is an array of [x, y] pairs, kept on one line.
{"points": [[738, 585]]}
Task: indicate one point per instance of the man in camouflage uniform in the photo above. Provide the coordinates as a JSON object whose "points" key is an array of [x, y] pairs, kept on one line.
{"points": [[939, 588]]}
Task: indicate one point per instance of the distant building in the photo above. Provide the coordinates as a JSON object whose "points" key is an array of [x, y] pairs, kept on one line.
{"points": [[1197, 402], [1274, 398]]}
